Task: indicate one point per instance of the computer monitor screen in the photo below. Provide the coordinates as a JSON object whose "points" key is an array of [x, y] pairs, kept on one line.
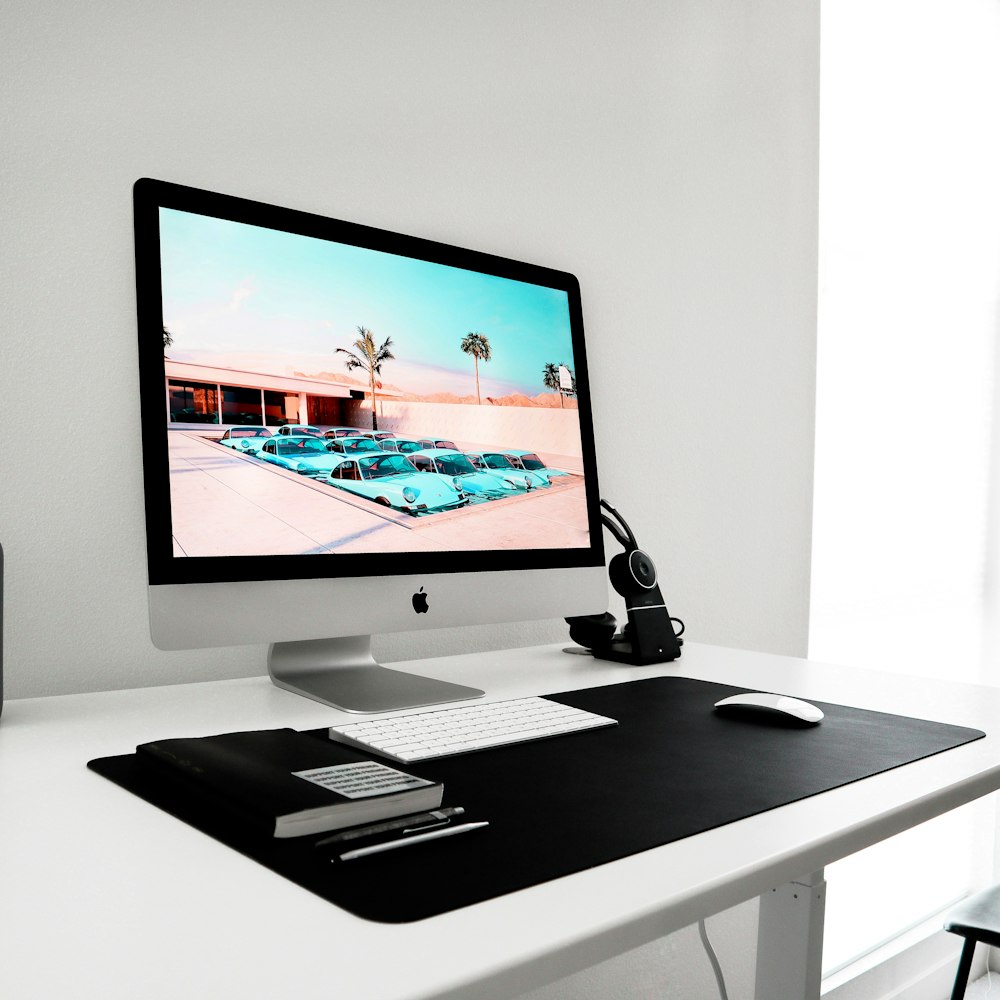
{"points": [[347, 430]]}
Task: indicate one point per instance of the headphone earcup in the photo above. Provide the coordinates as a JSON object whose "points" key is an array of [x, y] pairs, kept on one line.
{"points": [[632, 572], [618, 573], [592, 630]]}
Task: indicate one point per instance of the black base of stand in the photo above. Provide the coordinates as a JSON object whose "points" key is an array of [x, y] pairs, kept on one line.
{"points": [[623, 652], [648, 638]]}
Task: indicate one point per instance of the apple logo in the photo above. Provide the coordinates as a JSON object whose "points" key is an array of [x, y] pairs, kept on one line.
{"points": [[420, 602]]}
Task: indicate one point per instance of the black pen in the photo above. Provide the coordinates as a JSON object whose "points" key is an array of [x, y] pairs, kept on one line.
{"points": [[417, 838], [416, 821]]}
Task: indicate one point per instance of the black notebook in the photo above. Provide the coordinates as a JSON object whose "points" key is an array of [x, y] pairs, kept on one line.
{"points": [[286, 783]]}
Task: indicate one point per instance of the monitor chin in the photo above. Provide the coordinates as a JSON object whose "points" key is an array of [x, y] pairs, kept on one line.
{"points": [[192, 616]]}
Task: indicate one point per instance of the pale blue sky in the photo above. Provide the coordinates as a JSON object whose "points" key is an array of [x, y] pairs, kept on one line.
{"points": [[231, 288]]}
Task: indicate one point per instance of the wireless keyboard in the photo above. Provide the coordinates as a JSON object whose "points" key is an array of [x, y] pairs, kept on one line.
{"points": [[443, 732]]}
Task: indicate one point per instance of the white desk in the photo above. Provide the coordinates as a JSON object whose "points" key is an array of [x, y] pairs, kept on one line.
{"points": [[104, 895]]}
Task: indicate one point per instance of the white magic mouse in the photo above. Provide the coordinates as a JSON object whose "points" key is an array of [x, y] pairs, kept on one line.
{"points": [[757, 701]]}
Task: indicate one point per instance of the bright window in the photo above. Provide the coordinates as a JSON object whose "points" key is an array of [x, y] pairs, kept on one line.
{"points": [[909, 311]]}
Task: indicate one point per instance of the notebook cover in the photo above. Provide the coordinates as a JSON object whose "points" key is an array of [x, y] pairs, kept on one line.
{"points": [[279, 779], [671, 768]]}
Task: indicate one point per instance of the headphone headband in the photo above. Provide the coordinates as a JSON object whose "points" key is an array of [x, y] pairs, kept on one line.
{"points": [[627, 540]]}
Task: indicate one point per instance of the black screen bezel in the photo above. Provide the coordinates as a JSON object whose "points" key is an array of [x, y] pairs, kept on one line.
{"points": [[163, 566]]}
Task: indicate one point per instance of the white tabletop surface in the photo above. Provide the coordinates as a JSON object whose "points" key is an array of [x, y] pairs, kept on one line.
{"points": [[103, 895]]}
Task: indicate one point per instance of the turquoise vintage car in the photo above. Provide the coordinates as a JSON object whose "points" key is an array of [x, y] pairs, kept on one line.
{"points": [[299, 430], [403, 445], [498, 465], [390, 479], [340, 432], [305, 455], [247, 439], [379, 435], [352, 445], [530, 462], [437, 443], [446, 462]]}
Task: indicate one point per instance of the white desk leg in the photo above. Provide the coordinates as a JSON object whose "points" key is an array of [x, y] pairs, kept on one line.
{"points": [[790, 940]]}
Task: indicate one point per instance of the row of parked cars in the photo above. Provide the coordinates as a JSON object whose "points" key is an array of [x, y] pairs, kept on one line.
{"points": [[415, 475]]}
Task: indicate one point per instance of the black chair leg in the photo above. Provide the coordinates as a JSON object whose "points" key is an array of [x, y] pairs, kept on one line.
{"points": [[964, 968]]}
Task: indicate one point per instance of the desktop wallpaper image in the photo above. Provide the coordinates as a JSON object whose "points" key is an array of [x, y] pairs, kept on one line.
{"points": [[472, 379]]}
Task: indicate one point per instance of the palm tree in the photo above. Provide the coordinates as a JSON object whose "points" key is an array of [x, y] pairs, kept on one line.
{"points": [[550, 379], [168, 338], [478, 346], [368, 358]]}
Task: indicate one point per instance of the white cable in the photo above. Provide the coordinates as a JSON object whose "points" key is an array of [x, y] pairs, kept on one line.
{"points": [[716, 968]]}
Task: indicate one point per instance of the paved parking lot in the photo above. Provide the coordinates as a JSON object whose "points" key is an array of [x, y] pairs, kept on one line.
{"points": [[229, 504]]}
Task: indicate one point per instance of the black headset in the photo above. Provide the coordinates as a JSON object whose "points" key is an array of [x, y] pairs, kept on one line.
{"points": [[632, 574]]}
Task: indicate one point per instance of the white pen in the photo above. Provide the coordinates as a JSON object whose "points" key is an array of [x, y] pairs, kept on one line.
{"points": [[391, 845]]}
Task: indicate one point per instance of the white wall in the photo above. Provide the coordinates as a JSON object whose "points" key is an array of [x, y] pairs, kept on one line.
{"points": [[665, 153]]}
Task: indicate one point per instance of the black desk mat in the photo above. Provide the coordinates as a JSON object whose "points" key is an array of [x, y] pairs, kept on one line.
{"points": [[671, 768]]}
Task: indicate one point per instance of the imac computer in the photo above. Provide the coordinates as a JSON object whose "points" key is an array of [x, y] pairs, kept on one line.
{"points": [[348, 431]]}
